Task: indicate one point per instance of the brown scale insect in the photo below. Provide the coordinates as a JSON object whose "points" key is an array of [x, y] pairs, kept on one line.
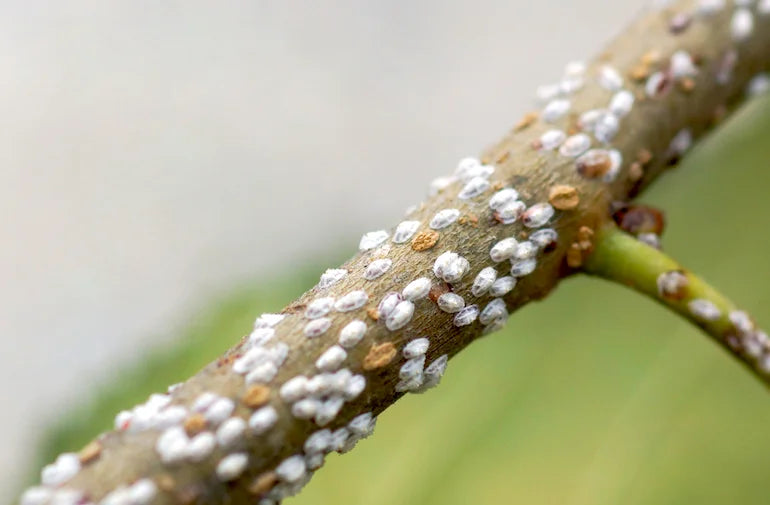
{"points": [[563, 197], [593, 164], [525, 121], [90, 452], [379, 355], [425, 240], [438, 289], [256, 396], [194, 424], [636, 219], [673, 285], [263, 483]]}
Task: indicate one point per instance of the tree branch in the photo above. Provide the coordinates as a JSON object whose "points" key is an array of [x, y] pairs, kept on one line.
{"points": [[623, 259], [497, 234]]}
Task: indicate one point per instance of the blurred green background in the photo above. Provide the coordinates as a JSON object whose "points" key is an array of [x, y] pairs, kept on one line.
{"points": [[595, 396]]}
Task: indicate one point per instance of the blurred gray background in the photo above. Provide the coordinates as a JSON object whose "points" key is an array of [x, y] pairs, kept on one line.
{"points": [[154, 154]]}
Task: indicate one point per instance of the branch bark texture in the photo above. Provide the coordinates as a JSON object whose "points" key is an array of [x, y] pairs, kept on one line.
{"points": [[502, 231]]}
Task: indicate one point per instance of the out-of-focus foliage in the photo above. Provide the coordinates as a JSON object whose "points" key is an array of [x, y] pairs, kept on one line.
{"points": [[596, 396]]}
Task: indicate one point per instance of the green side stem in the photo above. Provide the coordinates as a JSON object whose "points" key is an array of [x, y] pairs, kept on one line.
{"points": [[621, 258]]}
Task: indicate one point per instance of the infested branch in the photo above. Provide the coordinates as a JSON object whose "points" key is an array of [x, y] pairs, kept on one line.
{"points": [[499, 233]]}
